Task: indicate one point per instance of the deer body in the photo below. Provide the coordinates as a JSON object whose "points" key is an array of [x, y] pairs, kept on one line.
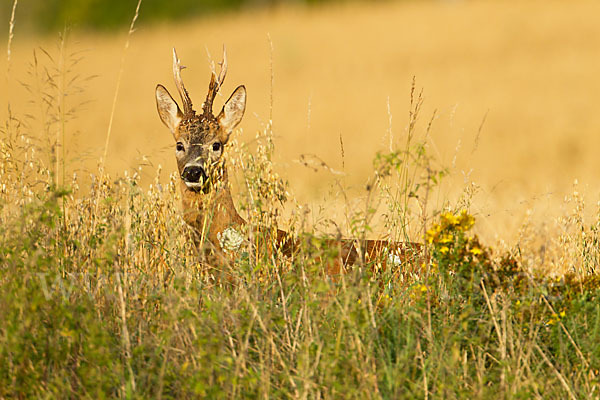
{"points": [[207, 202]]}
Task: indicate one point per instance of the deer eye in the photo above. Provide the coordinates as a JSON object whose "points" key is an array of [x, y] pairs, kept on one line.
{"points": [[216, 146], [179, 146]]}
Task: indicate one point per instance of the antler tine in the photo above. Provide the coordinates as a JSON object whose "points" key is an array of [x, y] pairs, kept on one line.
{"points": [[215, 83], [185, 97], [223, 72]]}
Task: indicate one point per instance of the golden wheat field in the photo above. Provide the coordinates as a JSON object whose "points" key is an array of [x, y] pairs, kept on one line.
{"points": [[515, 87]]}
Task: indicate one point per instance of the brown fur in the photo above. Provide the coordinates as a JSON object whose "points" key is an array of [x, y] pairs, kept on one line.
{"points": [[208, 205]]}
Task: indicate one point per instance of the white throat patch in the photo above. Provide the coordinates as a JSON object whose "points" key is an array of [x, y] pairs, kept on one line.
{"points": [[193, 185]]}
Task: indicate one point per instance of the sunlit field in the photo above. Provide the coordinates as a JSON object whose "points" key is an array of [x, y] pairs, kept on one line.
{"points": [[515, 88], [468, 127]]}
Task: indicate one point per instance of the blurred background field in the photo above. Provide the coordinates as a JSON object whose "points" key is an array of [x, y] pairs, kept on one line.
{"points": [[515, 86]]}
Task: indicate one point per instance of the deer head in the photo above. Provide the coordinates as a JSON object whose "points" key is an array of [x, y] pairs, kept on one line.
{"points": [[200, 138]]}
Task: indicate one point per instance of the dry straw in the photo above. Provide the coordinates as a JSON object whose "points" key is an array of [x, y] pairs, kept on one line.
{"points": [[11, 28], [121, 68], [114, 103]]}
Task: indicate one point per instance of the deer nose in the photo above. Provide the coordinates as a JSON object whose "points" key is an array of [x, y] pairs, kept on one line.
{"points": [[193, 173]]}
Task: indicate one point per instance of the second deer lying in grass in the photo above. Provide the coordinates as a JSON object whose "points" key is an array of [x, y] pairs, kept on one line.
{"points": [[208, 206]]}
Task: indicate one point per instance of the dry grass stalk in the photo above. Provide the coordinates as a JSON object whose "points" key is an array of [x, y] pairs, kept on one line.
{"points": [[121, 68], [560, 376], [11, 27]]}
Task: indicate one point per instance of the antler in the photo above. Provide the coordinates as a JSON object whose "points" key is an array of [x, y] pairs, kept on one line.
{"points": [[215, 83], [185, 97]]}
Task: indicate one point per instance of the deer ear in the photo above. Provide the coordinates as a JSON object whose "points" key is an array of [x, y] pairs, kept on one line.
{"points": [[169, 111], [232, 112]]}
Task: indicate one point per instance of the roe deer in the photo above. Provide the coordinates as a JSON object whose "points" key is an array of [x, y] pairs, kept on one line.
{"points": [[207, 202]]}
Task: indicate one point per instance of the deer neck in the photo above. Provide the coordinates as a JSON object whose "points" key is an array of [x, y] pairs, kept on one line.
{"points": [[213, 212]]}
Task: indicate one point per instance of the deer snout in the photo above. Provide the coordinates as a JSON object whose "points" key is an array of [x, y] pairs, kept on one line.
{"points": [[194, 176]]}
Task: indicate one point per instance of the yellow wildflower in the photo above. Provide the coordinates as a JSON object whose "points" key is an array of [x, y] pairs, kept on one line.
{"points": [[447, 238], [430, 235], [449, 218], [418, 290], [475, 251], [466, 221]]}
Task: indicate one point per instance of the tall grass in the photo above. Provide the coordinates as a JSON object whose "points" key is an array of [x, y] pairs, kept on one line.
{"points": [[127, 306]]}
